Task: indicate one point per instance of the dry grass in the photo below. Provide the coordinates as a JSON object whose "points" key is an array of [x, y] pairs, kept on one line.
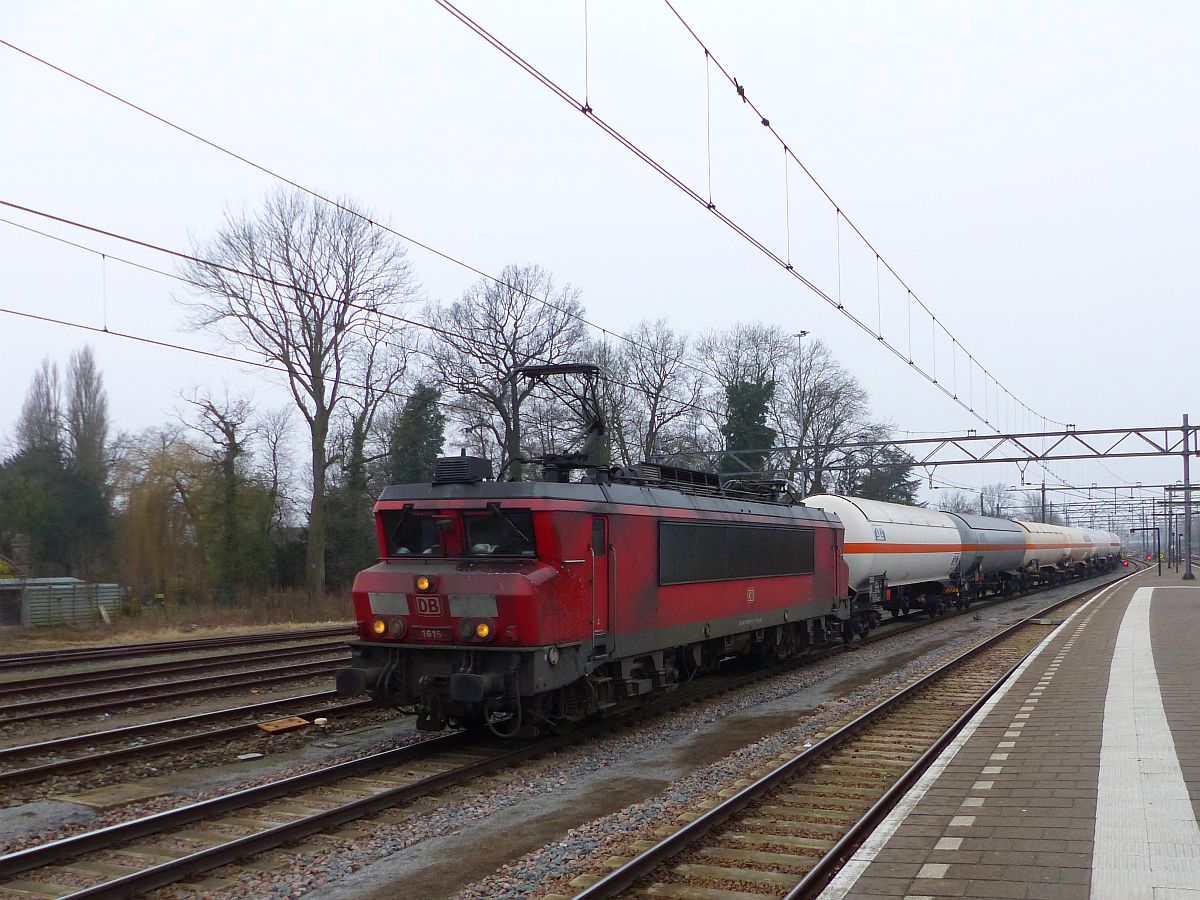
{"points": [[275, 611]]}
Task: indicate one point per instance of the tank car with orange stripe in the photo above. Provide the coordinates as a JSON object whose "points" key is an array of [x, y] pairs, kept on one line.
{"points": [[1055, 553], [992, 550], [899, 557]]}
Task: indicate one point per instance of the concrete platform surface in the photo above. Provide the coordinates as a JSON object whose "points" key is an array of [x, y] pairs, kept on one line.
{"points": [[1079, 779]]}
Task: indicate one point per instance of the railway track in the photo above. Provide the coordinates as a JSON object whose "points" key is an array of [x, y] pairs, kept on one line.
{"points": [[786, 830], [70, 655], [307, 706], [16, 687], [163, 692], [175, 845], [250, 821]]}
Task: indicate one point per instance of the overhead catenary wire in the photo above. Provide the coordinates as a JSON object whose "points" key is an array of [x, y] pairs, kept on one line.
{"points": [[483, 274], [317, 195], [678, 182], [733, 225], [766, 122], [789, 154]]}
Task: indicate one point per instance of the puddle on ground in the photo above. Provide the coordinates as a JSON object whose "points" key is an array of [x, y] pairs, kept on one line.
{"points": [[723, 737], [502, 842], [858, 679]]}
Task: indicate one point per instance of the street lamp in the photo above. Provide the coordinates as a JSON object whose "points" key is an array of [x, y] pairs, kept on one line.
{"points": [[800, 336]]}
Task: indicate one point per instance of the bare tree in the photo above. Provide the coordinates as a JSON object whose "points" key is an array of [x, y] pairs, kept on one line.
{"points": [[40, 424], [225, 422], [663, 385], [994, 498], [750, 353], [310, 287], [485, 338], [87, 418], [274, 428], [819, 405], [957, 502]]}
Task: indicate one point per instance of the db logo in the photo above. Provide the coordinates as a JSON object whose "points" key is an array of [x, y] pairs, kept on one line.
{"points": [[429, 606]]}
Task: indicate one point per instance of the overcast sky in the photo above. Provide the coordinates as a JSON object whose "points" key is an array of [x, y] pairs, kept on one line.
{"points": [[1028, 168]]}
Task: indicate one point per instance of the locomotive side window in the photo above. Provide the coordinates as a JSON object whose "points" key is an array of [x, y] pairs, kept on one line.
{"points": [[690, 552], [599, 541], [500, 532], [410, 535]]}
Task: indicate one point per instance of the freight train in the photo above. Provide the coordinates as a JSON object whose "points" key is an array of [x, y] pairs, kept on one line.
{"points": [[528, 606]]}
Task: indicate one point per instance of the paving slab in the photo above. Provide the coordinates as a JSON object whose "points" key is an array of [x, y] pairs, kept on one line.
{"points": [[1079, 779]]}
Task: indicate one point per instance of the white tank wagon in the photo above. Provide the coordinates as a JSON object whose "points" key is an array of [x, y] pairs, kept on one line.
{"points": [[1047, 550], [1081, 547], [901, 557], [992, 552], [1105, 550]]}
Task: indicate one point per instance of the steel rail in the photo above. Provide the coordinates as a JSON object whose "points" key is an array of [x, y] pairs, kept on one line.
{"points": [[652, 858], [92, 737], [75, 654], [46, 854], [108, 676], [207, 685], [162, 747]]}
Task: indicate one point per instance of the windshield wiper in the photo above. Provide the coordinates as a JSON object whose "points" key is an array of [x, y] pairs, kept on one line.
{"points": [[494, 509]]}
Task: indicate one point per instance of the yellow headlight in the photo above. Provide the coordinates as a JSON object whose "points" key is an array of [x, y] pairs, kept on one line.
{"points": [[379, 626], [482, 630], [423, 582]]}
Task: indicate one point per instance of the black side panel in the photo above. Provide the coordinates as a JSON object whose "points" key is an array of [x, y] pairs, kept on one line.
{"points": [[690, 552]]}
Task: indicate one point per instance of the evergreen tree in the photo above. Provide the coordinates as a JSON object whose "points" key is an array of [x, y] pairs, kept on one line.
{"points": [[86, 425], [416, 437], [747, 434], [887, 476]]}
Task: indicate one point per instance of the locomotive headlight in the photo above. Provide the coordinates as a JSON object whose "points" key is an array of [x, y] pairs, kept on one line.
{"points": [[379, 626], [483, 630], [398, 628], [423, 583]]}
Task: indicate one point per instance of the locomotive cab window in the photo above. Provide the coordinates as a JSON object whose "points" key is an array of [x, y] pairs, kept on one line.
{"points": [[406, 534], [500, 532]]}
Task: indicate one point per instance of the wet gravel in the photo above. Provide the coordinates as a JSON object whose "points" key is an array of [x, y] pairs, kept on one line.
{"points": [[193, 758], [303, 749], [135, 711]]}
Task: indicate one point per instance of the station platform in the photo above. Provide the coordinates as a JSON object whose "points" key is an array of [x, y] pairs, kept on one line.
{"points": [[1080, 778]]}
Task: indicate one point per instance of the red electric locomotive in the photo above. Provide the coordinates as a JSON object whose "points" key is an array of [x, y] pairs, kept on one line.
{"points": [[531, 605]]}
